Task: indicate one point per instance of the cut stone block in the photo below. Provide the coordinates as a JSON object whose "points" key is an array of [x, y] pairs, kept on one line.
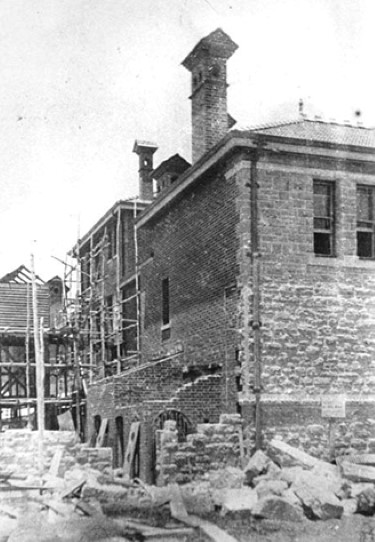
{"points": [[230, 477], [357, 473], [350, 506], [257, 464], [289, 456], [271, 487], [236, 500], [319, 502], [277, 508]]}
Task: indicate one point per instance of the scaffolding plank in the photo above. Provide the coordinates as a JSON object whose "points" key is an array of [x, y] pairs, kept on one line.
{"points": [[130, 449], [101, 434]]}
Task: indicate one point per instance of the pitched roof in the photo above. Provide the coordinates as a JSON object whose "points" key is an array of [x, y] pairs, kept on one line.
{"points": [[21, 275], [175, 164], [320, 131], [16, 304]]}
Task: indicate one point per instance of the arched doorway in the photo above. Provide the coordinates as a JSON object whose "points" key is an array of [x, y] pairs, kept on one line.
{"points": [[183, 425]]}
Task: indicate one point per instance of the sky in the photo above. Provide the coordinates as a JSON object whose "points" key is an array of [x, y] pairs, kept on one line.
{"points": [[82, 79]]}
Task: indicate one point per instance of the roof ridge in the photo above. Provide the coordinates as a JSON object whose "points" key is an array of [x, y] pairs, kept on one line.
{"points": [[345, 123], [271, 124], [303, 119]]}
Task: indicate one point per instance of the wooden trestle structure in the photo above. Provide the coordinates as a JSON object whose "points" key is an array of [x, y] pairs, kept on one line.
{"points": [[61, 382]]}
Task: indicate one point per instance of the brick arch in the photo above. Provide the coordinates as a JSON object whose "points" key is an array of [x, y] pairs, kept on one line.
{"points": [[183, 424]]}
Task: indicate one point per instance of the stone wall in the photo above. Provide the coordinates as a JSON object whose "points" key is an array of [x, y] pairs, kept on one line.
{"points": [[19, 453], [211, 448], [145, 393], [317, 313]]}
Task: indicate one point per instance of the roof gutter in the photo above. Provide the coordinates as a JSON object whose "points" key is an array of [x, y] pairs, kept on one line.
{"points": [[250, 141]]}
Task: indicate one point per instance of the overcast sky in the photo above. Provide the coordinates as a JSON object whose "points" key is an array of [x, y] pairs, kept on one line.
{"points": [[82, 79]]}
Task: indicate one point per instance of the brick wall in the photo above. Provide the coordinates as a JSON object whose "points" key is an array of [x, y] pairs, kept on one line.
{"points": [[142, 394], [194, 245]]}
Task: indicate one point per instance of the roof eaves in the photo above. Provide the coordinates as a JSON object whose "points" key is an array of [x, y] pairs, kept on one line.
{"points": [[122, 204]]}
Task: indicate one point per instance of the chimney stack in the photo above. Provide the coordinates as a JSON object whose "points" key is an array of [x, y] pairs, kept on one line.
{"points": [[145, 151], [208, 66]]}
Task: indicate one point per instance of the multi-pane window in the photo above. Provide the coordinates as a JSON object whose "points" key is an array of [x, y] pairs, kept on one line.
{"points": [[324, 218], [365, 221]]}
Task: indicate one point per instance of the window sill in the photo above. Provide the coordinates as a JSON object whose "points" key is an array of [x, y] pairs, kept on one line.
{"points": [[165, 332], [341, 261]]}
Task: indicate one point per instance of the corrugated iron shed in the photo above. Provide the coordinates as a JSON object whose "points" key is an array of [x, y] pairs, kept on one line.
{"points": [[14, 300]]}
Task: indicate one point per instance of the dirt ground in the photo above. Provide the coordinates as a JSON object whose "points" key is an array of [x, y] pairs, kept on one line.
{"points": [[244, 528], [356, 528]]}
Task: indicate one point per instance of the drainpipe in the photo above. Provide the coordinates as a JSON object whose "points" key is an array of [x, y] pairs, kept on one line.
{"points": [[255, 272]]}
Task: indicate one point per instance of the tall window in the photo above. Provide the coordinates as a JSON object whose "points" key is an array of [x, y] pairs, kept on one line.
{"points": [[324, 218], [111, 241], [365, 221], [165, 301]]}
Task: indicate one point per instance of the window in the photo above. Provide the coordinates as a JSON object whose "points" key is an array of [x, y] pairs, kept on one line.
{"points": [[365, 221], [130, 318], [165, 330], [109, 314], [323, 218], [165, 301], [111, 241]]}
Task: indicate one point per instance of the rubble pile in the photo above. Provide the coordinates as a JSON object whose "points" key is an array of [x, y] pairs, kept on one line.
{"points": [[214, 446], [293, 486], [90, 501]]}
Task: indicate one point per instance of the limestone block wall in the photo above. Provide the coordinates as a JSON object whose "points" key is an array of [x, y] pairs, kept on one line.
{"points": [[19, 453], [214, 446]]}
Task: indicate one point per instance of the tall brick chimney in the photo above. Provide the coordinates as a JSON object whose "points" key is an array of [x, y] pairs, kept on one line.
{"points": [[145, 151], [208, 66]]}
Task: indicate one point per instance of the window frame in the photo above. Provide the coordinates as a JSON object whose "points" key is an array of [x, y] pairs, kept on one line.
{"points": [[370, 228], [330, 217], [165, 309]]}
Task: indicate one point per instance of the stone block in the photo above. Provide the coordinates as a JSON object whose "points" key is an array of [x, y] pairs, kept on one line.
{"points": [[288, 455], [257, 465], [236, 500], [197, 498], [277, 508], [290, 474], [271, 487], [231, 419], [366, 501], [357, 473], [319, 502], [350, 506], [230, 477]]}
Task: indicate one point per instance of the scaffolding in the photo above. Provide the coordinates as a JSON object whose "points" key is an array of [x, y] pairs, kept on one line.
{"points": [[21, 341], [104, 306]]}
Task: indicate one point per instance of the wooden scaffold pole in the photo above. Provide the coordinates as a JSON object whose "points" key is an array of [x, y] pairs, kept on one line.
{"points": [[39, 367]]}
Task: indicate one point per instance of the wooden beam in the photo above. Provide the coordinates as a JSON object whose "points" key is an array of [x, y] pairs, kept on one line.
{"points": [[39, 368]]}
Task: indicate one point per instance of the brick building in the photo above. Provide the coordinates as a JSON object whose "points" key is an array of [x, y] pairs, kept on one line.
{"points": [[256, 274]]}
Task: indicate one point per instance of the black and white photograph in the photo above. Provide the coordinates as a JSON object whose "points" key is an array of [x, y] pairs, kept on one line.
{"points": [[187, 271]]}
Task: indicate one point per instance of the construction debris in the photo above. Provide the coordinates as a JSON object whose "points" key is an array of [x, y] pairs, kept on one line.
{"points": [[84, 503]]}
